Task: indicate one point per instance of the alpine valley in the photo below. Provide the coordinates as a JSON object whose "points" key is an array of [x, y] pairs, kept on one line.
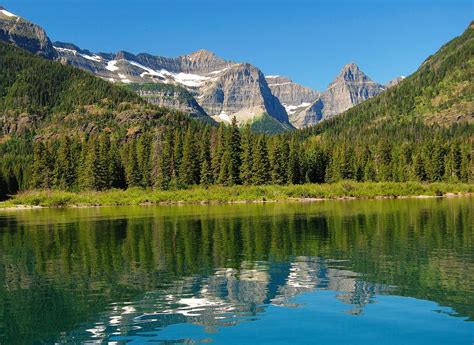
{"points": [[204, 85], [76, 121]]}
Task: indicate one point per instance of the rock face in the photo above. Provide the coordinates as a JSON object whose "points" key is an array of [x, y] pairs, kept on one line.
{"points": [[221, 89], [241, 91], [170, 96], [24, 34], [350, 88], [394, 82], [294, 97]]}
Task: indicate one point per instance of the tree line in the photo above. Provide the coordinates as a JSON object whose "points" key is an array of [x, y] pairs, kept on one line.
{"points": [[180, 157]]}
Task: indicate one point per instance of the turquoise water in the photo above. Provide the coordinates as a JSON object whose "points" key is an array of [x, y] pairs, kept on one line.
{"points": [[339, 272]]}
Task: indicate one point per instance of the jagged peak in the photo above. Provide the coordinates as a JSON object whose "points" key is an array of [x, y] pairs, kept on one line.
{"points": [[351, 72], [201, 54]]}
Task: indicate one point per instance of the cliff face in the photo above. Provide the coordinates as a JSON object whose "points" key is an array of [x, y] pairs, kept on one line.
{"points": [[24, 34], [351, 87], [219, 88], [241, 91]]}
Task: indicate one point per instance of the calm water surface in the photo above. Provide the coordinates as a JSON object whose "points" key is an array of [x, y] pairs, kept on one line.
{"points": [[352, 272]]}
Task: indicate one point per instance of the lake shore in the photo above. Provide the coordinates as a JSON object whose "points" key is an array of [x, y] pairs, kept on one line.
{"points": [[236, 194]]}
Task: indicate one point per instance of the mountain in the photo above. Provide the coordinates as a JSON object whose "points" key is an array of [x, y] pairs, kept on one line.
{"points": [[24, 34], [36, 93], [294, 97], [219, 88], [170, 96], [351, 87], [439, 94], [394, 82], [202, 83]]}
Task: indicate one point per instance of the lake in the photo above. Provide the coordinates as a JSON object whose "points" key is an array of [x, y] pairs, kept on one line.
{"points": [[332, 272]]}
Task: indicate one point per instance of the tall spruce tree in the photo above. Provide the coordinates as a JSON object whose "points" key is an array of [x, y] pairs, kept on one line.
{"points": [[246, 156], [294, 162], [261, 163], [188, 168], [134, 176]]}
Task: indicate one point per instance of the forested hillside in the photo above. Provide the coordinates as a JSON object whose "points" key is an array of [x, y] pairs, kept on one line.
{"points": [[440, 92], [47, 96], [419, 130]]}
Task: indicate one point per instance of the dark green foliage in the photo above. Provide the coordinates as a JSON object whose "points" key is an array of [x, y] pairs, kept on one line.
{"points": [[89, 134], [261, 163]]}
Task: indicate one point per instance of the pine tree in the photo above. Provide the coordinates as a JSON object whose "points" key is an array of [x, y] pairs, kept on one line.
{"points": [[116, 169], [134, 176], [466, 169], [205, 172], [246, 156], [418, 169], [453, 163], [64, 169], [316, 161], [40, 165], [164, 166], [279, 161], [437, 162], [383, 160], [188, 167], [261, 163], [234, 147], [294, 163], [177, 154], [144, 159], [217, 150]]}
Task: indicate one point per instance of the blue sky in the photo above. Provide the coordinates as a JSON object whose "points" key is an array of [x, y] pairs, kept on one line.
{"points": [[309, 41]]}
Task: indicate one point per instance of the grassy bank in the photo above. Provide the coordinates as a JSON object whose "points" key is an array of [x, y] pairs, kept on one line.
{"points": [[217, 194]]}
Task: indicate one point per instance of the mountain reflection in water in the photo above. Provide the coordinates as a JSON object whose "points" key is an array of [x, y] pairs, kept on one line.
{"points": [[328, 272]]}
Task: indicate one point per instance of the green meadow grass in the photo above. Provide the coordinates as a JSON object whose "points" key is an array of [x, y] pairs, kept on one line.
{"points": [[220, 194]]}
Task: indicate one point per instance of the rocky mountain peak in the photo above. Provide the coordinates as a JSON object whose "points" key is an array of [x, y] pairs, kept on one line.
{"points": [[201, 54], [351, 72]]}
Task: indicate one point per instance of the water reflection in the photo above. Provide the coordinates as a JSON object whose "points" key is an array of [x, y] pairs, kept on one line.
{"points": [[131, 274]]}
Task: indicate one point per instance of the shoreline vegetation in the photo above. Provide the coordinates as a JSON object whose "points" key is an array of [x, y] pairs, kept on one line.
{"points": [[235, 194]]}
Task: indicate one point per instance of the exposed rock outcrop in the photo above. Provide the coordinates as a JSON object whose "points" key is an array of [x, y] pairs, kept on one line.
{"points": [[24, 34]]}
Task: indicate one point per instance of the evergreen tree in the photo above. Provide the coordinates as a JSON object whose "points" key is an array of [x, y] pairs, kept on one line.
{"points": [[246, 156], [466, 169], [205, 171], [64, 169], [217, 150], [116, 168], [234, 148], [453, 163], [164, 166], [144, 158], [134, 176], [383, 159], [294, 163], [188, 167], [40, 166], [279, 160], [261, 163]]}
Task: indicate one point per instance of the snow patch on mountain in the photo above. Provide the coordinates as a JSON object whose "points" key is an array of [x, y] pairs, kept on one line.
{"points": [[191, 80], [95, 58], [111, 65], [291, 109], [8, 14]]}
